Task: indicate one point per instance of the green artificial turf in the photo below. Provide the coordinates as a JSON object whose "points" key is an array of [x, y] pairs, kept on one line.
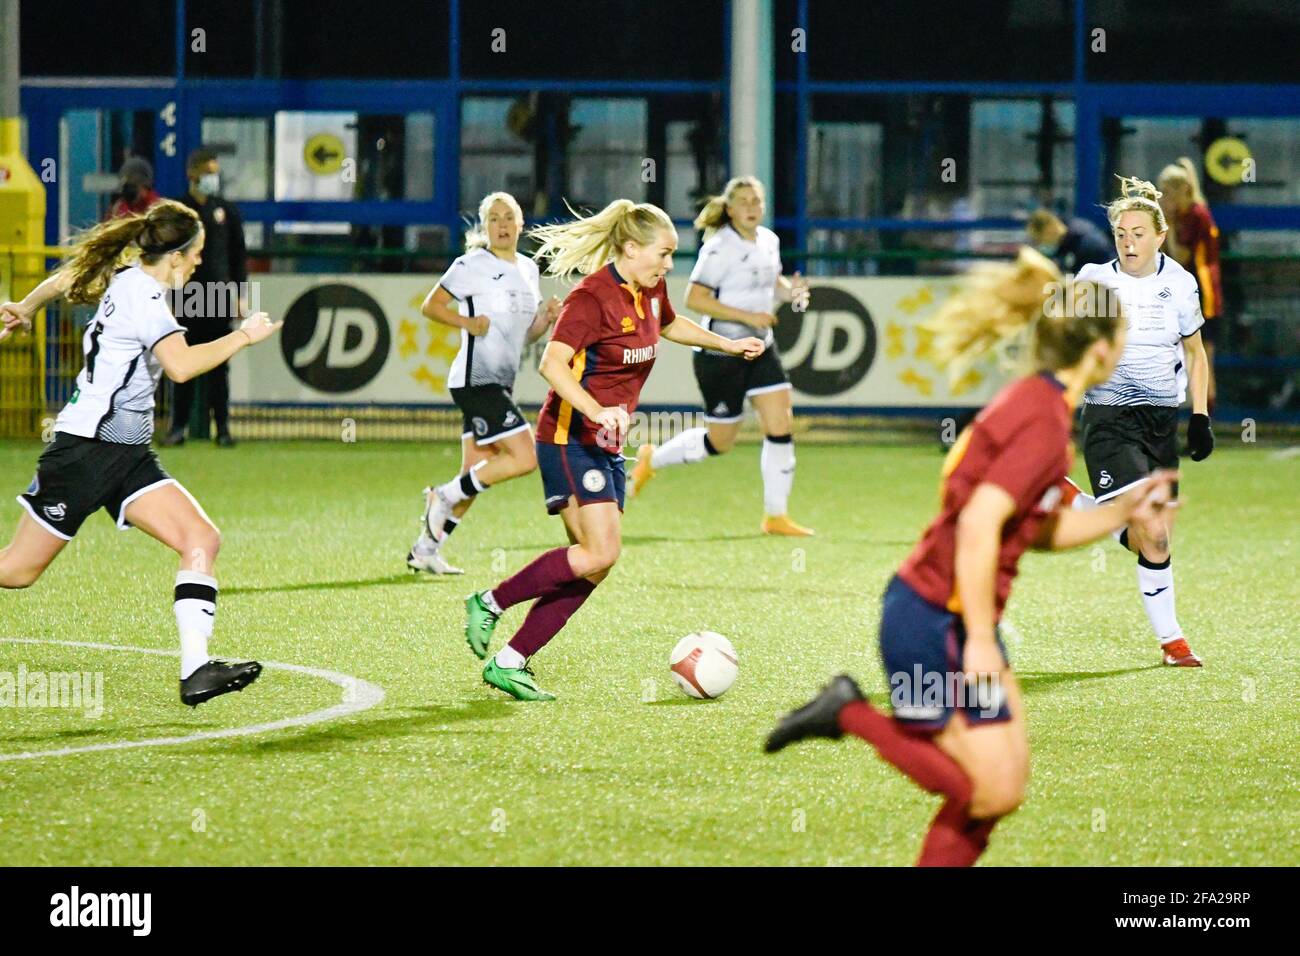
{"points": [[1132, 763]]}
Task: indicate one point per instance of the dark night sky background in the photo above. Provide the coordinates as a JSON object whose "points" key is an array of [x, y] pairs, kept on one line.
{"points": [[1013, 40]]}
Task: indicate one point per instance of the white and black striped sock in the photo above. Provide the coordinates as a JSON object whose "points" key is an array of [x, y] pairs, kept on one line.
{"points": [[196, 611]]}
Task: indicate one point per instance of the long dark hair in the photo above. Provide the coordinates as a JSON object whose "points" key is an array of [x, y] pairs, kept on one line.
{"points": [[96, 253]]}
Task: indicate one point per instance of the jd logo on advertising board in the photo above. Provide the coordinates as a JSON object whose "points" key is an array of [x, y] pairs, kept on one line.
{"points": [[335, 338], [828, 348]]}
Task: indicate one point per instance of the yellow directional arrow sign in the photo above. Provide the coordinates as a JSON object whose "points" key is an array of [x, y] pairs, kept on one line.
{"points": [[1225, 159], [323, 154]]}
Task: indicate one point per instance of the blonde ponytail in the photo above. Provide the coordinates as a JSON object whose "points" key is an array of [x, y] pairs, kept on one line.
{"points": [[587, 243], [97, 253], [477, 237], [1137, 195], [1024, 307], [1183, 171], [714, 214]]}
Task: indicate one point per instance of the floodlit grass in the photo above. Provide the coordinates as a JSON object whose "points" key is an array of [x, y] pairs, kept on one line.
{"points": [[1132, 763]]}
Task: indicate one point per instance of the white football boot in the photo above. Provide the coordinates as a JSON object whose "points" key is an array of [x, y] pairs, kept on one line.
{"points": [[424, 556]]}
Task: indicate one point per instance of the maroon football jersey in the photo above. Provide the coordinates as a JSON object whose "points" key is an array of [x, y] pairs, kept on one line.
{"points": [[1019, 442], [614, 333]]}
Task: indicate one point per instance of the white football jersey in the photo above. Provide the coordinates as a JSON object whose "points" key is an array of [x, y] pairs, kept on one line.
{"points": [[1162, 309], [741, 274], [508, 293], [114, 398]]}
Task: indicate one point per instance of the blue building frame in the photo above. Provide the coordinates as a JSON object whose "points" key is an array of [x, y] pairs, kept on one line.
{"points": [[44, 102]]}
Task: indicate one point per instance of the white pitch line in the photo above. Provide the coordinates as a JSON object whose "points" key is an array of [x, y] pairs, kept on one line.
{"points": [[358, 695]]}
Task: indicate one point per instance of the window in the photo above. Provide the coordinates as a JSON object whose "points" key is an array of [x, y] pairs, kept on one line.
{"points": [[496, 150], [1275, 148], [243, 146], [607, 153], [932, 156]]}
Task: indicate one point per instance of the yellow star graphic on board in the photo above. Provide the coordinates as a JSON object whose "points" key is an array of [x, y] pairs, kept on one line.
{"points": [[894, 347], [912, 379]]}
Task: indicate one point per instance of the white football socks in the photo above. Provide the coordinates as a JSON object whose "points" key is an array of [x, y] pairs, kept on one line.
{"points": [[777, 466], [462, 487], [510, 658], [1157, 587], [196, 611], [685, 448]]}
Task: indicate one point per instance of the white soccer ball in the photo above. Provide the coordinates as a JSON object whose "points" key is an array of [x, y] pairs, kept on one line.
{"points": [[704, 665]]}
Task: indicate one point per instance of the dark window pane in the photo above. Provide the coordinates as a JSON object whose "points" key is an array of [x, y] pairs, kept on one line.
{"points": [[905, 40], [339, 38], [578, 39], [1170, 41], [228, 43], [97, 38]]}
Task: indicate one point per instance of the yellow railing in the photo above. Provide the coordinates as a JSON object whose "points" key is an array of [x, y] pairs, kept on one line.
{"points": [[23, 358]]}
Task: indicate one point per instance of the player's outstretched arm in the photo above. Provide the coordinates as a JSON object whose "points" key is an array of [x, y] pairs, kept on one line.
{"points": [[793, 289], [685, 332], [700, 298], [556, 369], [437, 305], [182, 361], [20, 314], [546, 315], [1067, 528]]}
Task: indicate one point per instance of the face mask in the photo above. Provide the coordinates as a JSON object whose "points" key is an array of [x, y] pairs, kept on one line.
{"points": [[210, 183], [130, 191]]}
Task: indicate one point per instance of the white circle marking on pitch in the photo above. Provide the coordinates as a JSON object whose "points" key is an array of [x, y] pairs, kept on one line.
{"points": [[358, 695]]}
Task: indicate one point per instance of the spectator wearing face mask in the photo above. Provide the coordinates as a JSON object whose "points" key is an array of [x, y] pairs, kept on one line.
{"points": [[1073, 245], [135, 192], [221, 275]]}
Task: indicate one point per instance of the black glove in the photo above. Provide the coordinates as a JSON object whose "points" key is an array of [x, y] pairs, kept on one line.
{"points": [[1200, 440]]}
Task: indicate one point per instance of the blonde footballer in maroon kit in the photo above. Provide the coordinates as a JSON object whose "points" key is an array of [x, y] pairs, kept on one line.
{"points": [[603, 347], [957, 727], [613, 328]]}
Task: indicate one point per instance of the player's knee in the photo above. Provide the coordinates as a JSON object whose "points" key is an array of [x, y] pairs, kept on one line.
{"points": [[997, 796], [526, 463], [604, 555], [1154, 536], [17, 578], [201, 547], [721, 443]]}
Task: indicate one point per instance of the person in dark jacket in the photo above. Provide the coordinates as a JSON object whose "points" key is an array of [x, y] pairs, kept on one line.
{"points": [[1072, 244], [214, 297], [135, 192]]}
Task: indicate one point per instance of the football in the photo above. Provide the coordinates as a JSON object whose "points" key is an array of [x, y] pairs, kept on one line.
{"points": [[704, 665]]}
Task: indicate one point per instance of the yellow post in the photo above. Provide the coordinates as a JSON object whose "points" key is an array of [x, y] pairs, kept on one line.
{"points": [[22, 230]]}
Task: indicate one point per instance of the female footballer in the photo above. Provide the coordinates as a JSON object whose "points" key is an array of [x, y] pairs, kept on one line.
{"points": [[1194, 242], [735, 283], [100, 456], [491, 294], [958, 727], [603, 347], [1130, 423]]}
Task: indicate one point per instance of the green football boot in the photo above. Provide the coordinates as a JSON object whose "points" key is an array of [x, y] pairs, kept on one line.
{"points": [[518, 682], [480, 622]]}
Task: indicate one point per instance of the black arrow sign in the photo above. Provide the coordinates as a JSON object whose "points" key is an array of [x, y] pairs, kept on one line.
{"points": [[322, 155]]}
